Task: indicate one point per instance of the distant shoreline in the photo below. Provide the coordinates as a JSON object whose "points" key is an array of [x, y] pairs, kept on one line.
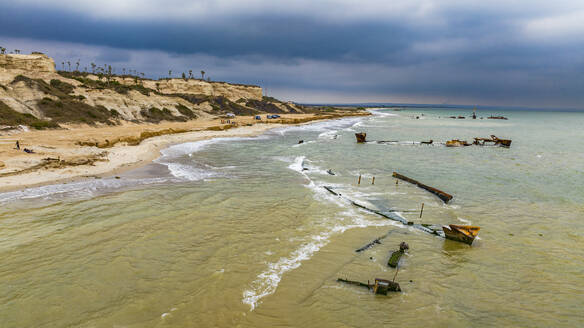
{"points": [[482, 108]]}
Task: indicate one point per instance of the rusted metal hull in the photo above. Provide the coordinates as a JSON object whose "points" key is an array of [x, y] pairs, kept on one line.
{"points": [[456, 143], [496, 141], [461, 233], [441, 194], [380, 287], [361, 137], [394, 258]]}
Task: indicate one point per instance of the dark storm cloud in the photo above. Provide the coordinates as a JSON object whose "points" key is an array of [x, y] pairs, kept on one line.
{"points": [[280, 37], [459, 51]]}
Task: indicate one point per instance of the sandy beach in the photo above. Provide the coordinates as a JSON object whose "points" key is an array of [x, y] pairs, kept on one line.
{"points": [[67, 155]]}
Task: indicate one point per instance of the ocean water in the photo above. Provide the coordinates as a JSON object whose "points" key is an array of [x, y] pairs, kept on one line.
{"points": [[239, 232]]}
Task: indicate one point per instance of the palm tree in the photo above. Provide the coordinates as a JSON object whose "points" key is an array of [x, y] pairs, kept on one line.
{"points": [[93, 67], [77, 65], [203, 75], [2, 50], [69, 64], [190, 74], [169, 74], [109, 72], [63, 64], [184, 76], [16, 51]]}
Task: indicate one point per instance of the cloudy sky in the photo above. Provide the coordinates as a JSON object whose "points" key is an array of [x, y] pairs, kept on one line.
{"points": [[496, 52]]}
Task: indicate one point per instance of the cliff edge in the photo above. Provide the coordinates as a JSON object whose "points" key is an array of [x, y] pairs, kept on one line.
{"points": [[34, 93]]}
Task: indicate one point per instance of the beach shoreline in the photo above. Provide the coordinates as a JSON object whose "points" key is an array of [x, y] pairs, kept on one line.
{"points": [[57, 152]]}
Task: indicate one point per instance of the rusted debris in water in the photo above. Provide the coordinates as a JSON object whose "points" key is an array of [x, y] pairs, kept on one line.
{"points": [[441, 194], [395, 216], [456, 143], [361, 137], [462, 233], [497, 117], [496, 141], [396, 256], [389, 214], [376, 241], [380, 286], [373, 243], [429, 142]]}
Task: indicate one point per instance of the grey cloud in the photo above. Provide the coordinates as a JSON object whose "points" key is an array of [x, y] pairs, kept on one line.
{"points": [[460, 51]]}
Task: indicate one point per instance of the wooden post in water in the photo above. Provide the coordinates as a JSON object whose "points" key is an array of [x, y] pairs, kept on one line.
{"points": [[373, 181], [359, 181], [422, 210]]}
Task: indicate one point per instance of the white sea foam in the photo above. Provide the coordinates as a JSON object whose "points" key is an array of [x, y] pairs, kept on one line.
{"points": [[267, 282], [304, 143], [319, 126], [194, 171], [464, 220], [332, 134], [81, 189], [196, 146], [297, 164], [191, 173]]}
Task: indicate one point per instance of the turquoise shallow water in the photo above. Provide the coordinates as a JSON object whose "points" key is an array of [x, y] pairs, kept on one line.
{"points": [[240, 232]]}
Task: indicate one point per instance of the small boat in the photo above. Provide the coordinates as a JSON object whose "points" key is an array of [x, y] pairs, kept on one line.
{"points": [[462, 233]]}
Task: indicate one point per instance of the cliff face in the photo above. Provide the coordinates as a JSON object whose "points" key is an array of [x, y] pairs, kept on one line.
{"points": [[230, 91], [27, 63], [29, 84]]}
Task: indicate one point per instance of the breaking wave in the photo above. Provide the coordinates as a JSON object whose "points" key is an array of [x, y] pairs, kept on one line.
{"points": [[267, 281]]}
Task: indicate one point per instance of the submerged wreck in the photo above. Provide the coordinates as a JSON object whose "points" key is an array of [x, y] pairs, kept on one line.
{"points": [[492, 140], [456, 143], [441, 194], [361, 137], [379, 287], [462, 233], [395, 215], [396, 256]]}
